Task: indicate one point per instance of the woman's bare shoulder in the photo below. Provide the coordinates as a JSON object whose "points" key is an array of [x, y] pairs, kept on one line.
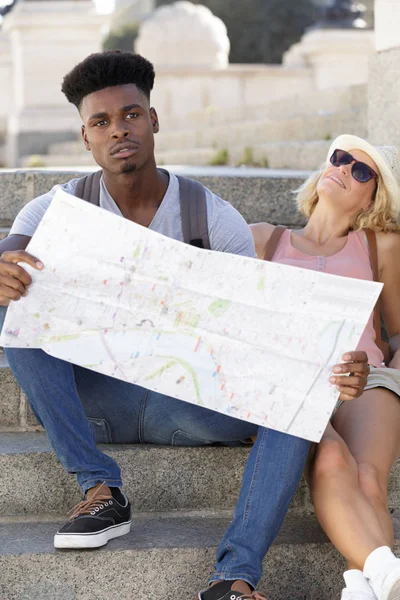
{"points": [[388, 241], [261, 234], [262, 227], [388, 246]]}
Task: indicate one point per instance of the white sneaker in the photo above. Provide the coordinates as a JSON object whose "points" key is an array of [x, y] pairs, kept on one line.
{"points": [[391, 585], [358, 594]]}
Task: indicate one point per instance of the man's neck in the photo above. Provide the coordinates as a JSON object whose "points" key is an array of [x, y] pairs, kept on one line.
{"points": [[138, 193]]}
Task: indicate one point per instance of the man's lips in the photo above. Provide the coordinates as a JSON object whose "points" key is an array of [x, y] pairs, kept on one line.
{"points": [[124, 150]]}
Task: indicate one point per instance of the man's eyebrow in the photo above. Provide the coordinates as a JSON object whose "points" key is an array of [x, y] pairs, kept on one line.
{"points": [[130, 106], [101, 115], [98, 115]]}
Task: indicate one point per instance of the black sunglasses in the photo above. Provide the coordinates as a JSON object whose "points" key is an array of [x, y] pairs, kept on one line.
{"points": [[360, 171]]}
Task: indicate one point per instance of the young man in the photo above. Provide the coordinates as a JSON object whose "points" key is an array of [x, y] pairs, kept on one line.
{"points": [[78, 407]]}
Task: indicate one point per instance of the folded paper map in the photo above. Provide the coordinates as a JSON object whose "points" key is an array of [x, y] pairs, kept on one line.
{"points": [[247, 338]]}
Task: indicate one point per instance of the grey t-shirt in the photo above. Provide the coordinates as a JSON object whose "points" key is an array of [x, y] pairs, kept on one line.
{"points": [[228, 231]]}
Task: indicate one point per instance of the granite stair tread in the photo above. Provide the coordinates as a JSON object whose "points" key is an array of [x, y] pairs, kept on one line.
{"points": [[155, 477], [163, 557]]}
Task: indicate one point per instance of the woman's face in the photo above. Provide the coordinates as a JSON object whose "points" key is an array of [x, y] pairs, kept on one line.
{"points": [[338, 184]]}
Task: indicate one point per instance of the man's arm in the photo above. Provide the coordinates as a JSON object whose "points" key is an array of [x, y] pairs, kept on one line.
{"points": [[14, 242], [227, 228]]}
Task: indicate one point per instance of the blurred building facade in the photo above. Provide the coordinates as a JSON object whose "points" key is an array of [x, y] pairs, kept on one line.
{"points": [[276, 115]]}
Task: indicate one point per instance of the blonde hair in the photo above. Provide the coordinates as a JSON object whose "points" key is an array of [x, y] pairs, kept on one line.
{"points": [[379, 217]]}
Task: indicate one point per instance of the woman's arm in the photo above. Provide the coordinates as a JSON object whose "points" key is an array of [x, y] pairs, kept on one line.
{"points": [[261, 234], [388, 245]]}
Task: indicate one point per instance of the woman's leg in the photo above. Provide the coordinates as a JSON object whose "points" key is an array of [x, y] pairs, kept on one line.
{"points": [[375, 445], [349, 475]]}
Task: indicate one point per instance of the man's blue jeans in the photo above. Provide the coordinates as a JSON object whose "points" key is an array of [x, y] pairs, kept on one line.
{"points": [[79, 407]]}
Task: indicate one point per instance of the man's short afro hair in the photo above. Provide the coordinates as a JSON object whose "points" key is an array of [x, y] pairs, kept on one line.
{"points": [[107, 69]]}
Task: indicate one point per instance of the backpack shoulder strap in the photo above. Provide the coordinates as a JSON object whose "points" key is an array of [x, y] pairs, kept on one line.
{"points": [[272, 244], [88, 188], [373, 256], [193, 203]]}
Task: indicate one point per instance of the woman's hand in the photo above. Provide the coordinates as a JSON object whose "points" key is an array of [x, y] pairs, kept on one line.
{"points": [[352, 386]]}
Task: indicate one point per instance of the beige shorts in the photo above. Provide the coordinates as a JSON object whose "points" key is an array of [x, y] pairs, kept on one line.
{"points": [[379, 377]]}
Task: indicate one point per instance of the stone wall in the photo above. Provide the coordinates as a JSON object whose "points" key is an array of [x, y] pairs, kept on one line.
{"points": [[6, 76], [260, 195], [384, 98], [384, 88], [178, 92]]}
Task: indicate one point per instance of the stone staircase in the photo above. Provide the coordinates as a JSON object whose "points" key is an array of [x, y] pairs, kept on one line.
{"points": [[182, 498], [294, 133]]}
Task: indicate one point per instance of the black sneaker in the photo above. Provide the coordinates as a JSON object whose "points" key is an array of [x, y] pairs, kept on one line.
{"points": [[96, 521], [223, 591]]}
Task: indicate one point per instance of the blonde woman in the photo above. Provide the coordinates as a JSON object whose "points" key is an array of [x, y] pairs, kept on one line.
{"points": [[357, 192]]}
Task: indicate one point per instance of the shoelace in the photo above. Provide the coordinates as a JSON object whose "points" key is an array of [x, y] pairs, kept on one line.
{"points": [[87, 506], [241, 595], [254, 596]]}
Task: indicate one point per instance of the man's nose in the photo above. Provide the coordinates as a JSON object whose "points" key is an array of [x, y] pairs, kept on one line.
{"points": [[121, 130]]}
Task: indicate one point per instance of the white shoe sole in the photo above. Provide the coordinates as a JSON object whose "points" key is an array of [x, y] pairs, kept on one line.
{"points": [[74, 541], [391, 586]]}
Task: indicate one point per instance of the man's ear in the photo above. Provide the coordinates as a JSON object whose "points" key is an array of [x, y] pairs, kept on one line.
{"points": [[154, 120], [85, 139]]}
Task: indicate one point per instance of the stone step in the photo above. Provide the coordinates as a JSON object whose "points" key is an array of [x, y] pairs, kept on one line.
{"points": [[259, 194], [75, 147], [192, 156], [164, 557], [3, 154], [296, 128], [306, 156], [70, 157], [156, 478], [4, 231], [67, 158], [302, 155], [319, 126], [15, 414], [300, 104]]}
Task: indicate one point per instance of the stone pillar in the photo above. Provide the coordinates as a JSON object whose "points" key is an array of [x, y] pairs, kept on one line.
{"points": [[47, 39], [384, 87], [6, 76], [387, 24], [5, 80]]}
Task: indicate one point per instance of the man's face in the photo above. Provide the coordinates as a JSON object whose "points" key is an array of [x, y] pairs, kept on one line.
{"points": [[118, 127]]}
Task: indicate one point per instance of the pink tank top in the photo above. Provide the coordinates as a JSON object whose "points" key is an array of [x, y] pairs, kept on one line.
{"points": [[352, 261]]}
